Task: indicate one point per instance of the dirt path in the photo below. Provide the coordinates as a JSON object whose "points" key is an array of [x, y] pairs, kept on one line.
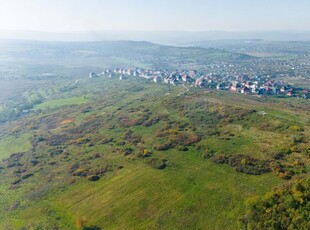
{"points": [[186, 90]]}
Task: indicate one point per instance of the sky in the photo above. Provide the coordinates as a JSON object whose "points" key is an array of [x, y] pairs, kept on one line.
{"points": [[154, 15]]}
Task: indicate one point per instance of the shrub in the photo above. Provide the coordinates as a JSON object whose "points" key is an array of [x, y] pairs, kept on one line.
{"points": [[101, 171], [132, 138], [40, 138], [146, 152], [86, 109], [80, 221], [278, 156], [82, 172], [16, 181], [56, 140], [165, 146], [157, 163], [182, 148], [91, 228], [192, 139], [297, 139], [208, 154], [220, 159], [285, 150], [244, 164], [243, 161], [283, 171], [93, 178], [67, 122], [96, 155], [93, 124], [34, 162], [26, 176], [286, 175], [142, 153], [151, 122], [127, 151], [106, 140], [295, 128]]}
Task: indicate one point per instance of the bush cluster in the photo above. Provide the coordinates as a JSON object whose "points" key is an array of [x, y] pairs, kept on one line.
{"points": [[286, 207], [243, 163]]}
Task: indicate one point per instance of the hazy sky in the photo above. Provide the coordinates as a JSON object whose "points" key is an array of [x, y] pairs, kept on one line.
{"points": [[184, 15]]}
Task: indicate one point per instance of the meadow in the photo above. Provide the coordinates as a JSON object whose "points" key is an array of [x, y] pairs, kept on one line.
{"points": [[100, 153], [112, 154]]}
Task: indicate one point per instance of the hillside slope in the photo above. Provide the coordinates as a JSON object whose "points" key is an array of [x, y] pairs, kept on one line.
{"points": [[136, 155]]}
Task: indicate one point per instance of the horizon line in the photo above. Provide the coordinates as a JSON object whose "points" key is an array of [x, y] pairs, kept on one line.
{"points": [[159, 31]]}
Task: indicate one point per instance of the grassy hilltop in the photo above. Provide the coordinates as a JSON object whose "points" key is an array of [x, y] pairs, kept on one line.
{"points": [[100, 153]]}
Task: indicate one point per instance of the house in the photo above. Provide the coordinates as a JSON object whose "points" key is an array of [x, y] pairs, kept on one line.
{"points": [[129, 72], [106, 72], [261, 90], [171, 80], [235, 87], [254, 88], [147, 76], [93, 75], [282, 89], [221, 86], [200, 82], [187, 78], [270, 90], [135, 73], [285, 88], [269, 83], [250, 84], [192, 73], [246, 90], [290, 93], [25, 111], [157, 79]]}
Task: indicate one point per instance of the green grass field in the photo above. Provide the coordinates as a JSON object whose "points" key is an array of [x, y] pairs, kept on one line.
{"points": [[52, 104], [14, 144], [196, 194], [120, 131]]}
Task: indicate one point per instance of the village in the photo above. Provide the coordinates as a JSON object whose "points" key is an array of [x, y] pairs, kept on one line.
{"points": [[243, 84]]}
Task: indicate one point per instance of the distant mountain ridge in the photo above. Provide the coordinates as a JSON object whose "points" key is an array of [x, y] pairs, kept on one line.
{"points": [[163, 37]]}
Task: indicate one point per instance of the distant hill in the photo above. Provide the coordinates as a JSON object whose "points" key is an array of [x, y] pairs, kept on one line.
{"points": [[163, 37], [127, 53]]}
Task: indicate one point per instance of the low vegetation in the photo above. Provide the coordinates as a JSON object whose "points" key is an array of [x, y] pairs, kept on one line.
{"points": [[108, 154], [244, 164], [286, 207]]}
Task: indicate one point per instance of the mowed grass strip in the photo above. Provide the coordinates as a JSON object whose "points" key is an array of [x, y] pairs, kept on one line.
{"points": [[14, 144], [57, 103]]}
